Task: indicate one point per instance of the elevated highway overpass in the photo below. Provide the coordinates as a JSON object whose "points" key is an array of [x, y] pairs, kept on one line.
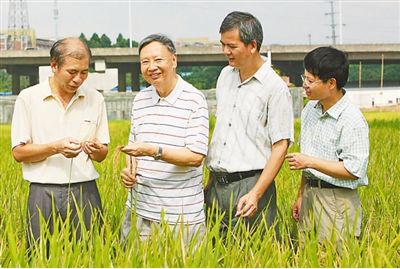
{"points": [[287, 58]]}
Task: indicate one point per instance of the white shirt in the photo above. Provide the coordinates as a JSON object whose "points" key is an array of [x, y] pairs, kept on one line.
{"points": [[40, 118], [251, 116], [179, 120]]}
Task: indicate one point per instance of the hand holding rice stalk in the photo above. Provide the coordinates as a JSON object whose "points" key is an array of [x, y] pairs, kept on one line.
{"points": [[128, 174], [91, 147]]}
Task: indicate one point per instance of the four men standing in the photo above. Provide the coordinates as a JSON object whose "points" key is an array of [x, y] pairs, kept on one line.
{"points": [[169, 137]]}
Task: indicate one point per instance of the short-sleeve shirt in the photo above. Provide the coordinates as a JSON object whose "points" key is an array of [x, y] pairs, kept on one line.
{"points": [[251, 116], [177, 121], [339, 134], [40, 118]]}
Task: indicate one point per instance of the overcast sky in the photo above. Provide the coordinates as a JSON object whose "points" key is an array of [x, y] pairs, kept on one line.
{"points": [[284, 22]]}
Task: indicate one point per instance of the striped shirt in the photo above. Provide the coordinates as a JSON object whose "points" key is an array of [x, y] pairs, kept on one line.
{"points": [[179, 120], [251, 116], [341, 133]]}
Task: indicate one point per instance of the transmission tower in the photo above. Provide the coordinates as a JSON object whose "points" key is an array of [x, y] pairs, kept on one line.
{"points": [[333, 25], [19, 36]]}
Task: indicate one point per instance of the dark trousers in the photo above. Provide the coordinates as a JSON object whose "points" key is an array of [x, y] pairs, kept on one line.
{"points": [[226, 198], [61, 200]]}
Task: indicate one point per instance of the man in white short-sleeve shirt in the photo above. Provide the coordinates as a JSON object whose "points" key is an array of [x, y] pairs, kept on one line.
{"points": [[253, 130], [58, 129]]}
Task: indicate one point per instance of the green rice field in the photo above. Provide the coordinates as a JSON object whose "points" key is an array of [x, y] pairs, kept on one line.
{"points": [[379, 245]]}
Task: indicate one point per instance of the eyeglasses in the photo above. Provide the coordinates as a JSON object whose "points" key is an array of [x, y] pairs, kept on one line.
{"points": [[307, 81]]}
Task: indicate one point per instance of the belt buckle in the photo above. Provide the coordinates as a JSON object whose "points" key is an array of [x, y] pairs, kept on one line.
{"points": [[222, 179]]}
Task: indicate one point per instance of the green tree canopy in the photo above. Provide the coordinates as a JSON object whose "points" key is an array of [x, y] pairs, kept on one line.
{"points": [[105, 41], [83, 38], [95, 41], [121, 42]]}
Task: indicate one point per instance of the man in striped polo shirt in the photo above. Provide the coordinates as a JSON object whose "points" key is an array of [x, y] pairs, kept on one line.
{"points": [[254, 126], [334, 149], [167, 144]]}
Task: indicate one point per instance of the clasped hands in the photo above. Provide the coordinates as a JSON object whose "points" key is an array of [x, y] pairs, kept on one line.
{"points": [[71, 147]]}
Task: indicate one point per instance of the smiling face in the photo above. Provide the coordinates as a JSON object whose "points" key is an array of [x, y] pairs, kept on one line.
{"points": [[157, 64], [316, 89], [237, 52]]}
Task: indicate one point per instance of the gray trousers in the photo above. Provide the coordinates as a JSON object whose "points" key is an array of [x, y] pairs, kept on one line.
{"points": [[59, 200], [144, 228], [226, 198]]}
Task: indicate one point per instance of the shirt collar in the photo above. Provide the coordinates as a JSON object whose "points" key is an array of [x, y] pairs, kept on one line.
{"points": [[259, 75], [172, 96], [46, 92], [337, 108]]}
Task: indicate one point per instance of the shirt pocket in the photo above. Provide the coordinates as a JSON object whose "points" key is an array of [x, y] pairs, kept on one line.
{"points": [[88, 130], [255, 123]]}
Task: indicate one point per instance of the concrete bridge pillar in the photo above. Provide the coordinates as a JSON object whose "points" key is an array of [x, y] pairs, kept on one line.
{"points": [[135, 77], [122, 79], [293, 69], [33, 79], [16, 82], [32, 72]]}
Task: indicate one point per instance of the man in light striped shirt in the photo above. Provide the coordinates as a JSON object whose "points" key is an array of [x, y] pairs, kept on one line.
{"points": [[334, 149], [167, 144]]}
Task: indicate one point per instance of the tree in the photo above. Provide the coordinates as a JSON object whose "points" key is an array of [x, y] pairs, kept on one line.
{"points": [[121, 42], [94, 41], [201, 77], [105, 41], [83, 38], [5, 81]]}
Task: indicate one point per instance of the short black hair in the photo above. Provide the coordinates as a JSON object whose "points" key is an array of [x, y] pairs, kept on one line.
{"points": [[327, 63], [249, 27], [163, 39], [61, 49]]}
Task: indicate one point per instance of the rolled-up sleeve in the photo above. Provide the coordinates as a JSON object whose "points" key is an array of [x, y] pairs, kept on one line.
{"points": [[354, 147]]}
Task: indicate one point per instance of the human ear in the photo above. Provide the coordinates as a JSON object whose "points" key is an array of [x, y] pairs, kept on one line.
{"points": [[54, 66]]}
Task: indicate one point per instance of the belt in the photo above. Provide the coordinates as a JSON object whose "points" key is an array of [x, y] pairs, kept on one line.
{"points": [[226, 178], [318, 183]]}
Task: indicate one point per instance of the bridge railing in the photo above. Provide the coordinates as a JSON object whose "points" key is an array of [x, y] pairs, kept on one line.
{"points": [[119, 105]]}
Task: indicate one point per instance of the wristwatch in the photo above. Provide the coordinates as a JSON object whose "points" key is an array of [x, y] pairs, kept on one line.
{"points": [[158, 155]]}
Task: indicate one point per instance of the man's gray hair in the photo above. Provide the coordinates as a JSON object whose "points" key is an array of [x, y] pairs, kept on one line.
{"points": [[249, 27], [163, 39], [63, 48]]}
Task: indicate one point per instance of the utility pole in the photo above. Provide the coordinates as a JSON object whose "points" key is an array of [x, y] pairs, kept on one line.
{"points": [[340, 23], [333, 25], [130, 23], [55, 17], [309, 39]]}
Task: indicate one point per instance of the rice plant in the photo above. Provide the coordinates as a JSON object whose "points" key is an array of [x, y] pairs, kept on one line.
{"points": [[379, 245]]}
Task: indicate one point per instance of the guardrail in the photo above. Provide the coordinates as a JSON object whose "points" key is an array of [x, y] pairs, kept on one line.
{"points": [[119, 104]]}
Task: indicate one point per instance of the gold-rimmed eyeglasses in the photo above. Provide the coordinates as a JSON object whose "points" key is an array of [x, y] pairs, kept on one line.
{"points": [[307, 81]]}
